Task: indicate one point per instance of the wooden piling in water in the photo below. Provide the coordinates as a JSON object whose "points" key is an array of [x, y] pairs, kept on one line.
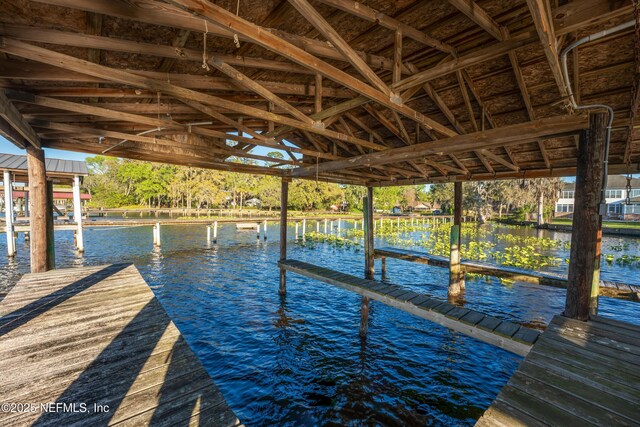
{"points": [[215, 232], [586, 236], [265, 230], [364, 316], [368, 233], [258, 231], [304, 229], [77, 213], [325, 226], [339, 226], [296, 239], [8, 214], [208, 234], [456, 274], [284, 201]]}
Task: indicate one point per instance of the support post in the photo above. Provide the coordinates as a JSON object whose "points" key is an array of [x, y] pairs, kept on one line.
{"points": [[215, 231], [456, 275], [284, 201], [325, 226], [157, 234], [586, 236], [339, 226], [368, 233], [258, 231], [8, 214], [208, 235], [383, 267], [304, 229], [51, 252], [297, 231], [38, 208], [265, 230], [367, 226], [540, 219], [77, 213]]}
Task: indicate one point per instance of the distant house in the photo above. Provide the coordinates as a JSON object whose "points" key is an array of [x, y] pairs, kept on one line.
{"points": [[253, 203], [616, 198]]}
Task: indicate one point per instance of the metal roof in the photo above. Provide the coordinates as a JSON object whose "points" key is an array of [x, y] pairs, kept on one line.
{"points": [[55, 166]]}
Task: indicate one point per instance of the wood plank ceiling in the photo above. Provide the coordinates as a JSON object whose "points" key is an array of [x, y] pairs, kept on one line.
{"points": [[374, 93]]}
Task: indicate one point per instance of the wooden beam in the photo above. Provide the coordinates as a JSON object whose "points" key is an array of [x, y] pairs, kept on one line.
{"points": [[163, 14], [520, 133], [256, 87], [318, 94], [365, 12], [498, 159], [478, 15], [397, 57], [11, 115], [464, 61], [89, 109], [39, 54], [541, 13], [467, 101], [227, 20], [484, 161], [11, 134], [312, 15], [577, 15]]}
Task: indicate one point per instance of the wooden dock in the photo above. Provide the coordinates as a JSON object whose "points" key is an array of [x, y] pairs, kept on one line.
{"points": [[577, 373], [501, 333], [93, 346], [607, 288]]}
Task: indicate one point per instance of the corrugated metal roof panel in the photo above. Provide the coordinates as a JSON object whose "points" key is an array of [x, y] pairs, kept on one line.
{"points": [[70, 167]]}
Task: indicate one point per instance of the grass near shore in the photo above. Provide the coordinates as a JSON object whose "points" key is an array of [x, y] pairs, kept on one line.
{"points": [[605, 224]]}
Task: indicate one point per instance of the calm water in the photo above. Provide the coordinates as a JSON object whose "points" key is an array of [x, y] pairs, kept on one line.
{"points": [[298, 360]]}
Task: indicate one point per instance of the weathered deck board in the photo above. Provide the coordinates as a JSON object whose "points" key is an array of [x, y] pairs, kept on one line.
{"points": [[577, 373], [501, 333], [98, 335], [607, 288]]}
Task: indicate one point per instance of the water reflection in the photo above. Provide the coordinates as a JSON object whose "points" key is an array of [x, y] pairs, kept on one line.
{"points": [[298, 359]]}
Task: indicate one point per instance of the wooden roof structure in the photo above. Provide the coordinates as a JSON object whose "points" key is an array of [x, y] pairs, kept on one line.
{"points": [[373, 93]]}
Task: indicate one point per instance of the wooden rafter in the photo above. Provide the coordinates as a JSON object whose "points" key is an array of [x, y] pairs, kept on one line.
{"points": [[363, 11], [224, 19], [256, 87], [478, 15], [541, 13], [312, 15], [74, 64], [12, 116], [514, 134]]}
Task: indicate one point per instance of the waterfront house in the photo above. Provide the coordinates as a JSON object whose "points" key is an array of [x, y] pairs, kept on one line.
{"points": [[621, 203]]}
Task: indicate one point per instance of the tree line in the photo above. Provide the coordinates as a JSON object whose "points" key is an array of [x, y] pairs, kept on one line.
{"points": [[115, 183]]}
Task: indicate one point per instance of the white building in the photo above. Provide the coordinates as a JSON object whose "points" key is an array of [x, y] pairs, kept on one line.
{"points": [[616, 196]]}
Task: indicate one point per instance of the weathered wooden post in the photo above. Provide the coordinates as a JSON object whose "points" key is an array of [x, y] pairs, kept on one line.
{"points": [[8, 214], [208, 235], [39, 206], [456, 275], [367, 211], [383, 267], [51, 249], [339, 226], [258, 231], [318, 226], [331, 227], [586, 236], [215, 231], [265, 230], [284, 201], [296, 239], [77, 213]]}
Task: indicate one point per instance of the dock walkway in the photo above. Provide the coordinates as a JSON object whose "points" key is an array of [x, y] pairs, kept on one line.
{"points": [[501, 333], [576, 374], [613, 289], [98, 341]]}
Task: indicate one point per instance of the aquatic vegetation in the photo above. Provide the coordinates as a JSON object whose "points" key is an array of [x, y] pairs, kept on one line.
{"points": [[525, 257], [332, 239]]}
